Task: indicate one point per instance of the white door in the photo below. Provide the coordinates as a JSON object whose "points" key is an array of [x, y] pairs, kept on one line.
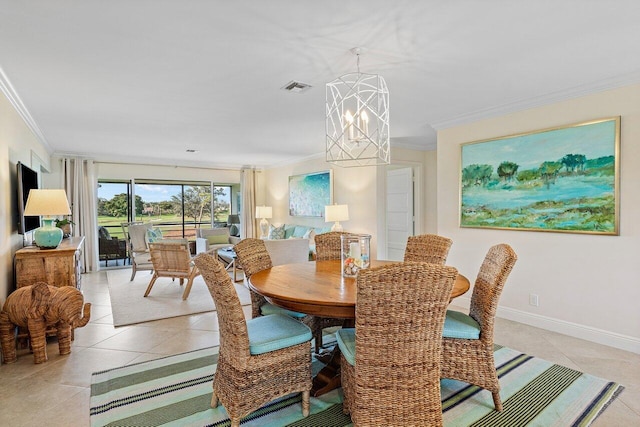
{"points": [[399, 211]]}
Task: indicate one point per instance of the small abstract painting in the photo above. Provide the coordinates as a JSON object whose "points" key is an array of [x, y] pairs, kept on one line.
{"points": [[310, 193], [562, 179]]}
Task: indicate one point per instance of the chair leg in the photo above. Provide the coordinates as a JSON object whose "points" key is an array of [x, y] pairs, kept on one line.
{"points": [[305, 403], [318, 338], [214, 400], [496, 401], [187, 289], [153, 280], [133, 272]]}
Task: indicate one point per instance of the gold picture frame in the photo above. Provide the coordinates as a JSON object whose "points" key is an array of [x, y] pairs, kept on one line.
{"points": [[562, 179]]}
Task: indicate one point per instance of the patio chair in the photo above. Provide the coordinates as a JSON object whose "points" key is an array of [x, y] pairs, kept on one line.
{"points": [[260, 359], [428, 248], [467, 344], [390, 362], [110, 248], [138, 247], [172, 259]]}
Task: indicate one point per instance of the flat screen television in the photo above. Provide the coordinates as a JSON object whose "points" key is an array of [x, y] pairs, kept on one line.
{"points": [[27, 180]]}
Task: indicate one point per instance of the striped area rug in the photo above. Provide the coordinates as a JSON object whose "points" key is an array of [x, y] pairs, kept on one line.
{"points": [[176, 391]]}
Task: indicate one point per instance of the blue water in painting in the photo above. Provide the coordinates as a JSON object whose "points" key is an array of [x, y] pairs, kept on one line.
{"points": [[565, 188]]}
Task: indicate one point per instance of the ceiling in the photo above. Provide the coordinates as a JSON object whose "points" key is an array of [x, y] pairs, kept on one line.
{"points": [[144, 81]]}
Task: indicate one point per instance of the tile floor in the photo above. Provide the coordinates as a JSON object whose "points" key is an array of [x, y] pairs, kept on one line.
{"points": [[56, 393]]}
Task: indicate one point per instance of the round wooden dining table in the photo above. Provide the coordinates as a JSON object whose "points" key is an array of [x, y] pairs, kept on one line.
{"points": [[318, 288]]}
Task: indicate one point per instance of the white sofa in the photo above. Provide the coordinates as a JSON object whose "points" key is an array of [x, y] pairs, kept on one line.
{"points": [[288, 251], [298, 232]]}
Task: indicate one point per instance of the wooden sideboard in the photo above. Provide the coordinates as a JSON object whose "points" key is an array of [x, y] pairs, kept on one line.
{"points": [[61, 266]]}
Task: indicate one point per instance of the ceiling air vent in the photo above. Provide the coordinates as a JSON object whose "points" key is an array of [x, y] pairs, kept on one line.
{"points": [[296, 87]]}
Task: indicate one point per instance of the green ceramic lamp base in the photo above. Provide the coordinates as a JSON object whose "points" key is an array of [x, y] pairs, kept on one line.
{"points": [[48, 236]]}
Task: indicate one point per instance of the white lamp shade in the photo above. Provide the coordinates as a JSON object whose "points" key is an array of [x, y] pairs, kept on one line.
{"points": [[264, 212], [46, 203], [334, 213]]}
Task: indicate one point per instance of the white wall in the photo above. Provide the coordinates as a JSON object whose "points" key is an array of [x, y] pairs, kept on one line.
{"points": [[355, 187], [588, 285], [133, 171], [17, 144]]}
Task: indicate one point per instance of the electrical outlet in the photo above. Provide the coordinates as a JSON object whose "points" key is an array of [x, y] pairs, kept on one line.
{"points": [[533, 300]]}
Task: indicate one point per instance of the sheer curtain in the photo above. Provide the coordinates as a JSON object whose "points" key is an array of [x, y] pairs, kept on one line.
{"points": [[80, 184], [248, 188]]}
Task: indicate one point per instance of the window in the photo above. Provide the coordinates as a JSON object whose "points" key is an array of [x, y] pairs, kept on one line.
{"points": [[177, 208], [114, 206]]}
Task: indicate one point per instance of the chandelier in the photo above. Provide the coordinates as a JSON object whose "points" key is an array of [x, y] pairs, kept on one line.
{"points": [[357, 124]]}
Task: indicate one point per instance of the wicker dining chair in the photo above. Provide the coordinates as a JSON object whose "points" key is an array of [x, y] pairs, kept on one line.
{"points": [[172, 259], [428, 248], [390, 362], [260, 359], [328, 247], [467, 346], [253, 256]]}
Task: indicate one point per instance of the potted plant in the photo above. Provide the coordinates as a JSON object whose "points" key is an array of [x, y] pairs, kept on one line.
{"points": [[65, 225]]}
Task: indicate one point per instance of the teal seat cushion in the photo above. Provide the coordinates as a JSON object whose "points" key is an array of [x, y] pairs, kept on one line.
{"points": [[460, 325], [269, 308], [275, 331], [346, 338]]}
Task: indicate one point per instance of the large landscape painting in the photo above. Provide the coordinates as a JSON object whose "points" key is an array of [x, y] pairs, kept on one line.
{"points": [[310, 193], [563, 179]]}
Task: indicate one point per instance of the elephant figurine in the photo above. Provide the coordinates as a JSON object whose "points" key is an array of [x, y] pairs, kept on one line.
{"points": [[37, 307]]}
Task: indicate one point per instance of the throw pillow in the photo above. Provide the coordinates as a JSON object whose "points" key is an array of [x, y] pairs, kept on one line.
{"points": [[288, 231], [310, 234], [276, 233], [217, 239], [154, 234], [299, 231]]}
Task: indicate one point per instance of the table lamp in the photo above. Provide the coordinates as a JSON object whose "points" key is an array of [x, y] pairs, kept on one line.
{"points": [[232, 220], [47, 203], [335, 214], [264, 212]]}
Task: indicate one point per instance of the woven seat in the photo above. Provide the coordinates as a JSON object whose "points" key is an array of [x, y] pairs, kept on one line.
{"points": [[172, 259], [398, 338], [243, 381], [428, 248], [471, 360]]}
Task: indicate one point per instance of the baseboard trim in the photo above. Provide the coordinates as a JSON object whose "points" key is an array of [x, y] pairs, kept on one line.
{"points": [[600, 336]]}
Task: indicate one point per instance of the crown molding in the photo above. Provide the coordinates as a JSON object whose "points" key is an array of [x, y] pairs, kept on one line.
{"points": [[550, 98], [9, 91]]}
